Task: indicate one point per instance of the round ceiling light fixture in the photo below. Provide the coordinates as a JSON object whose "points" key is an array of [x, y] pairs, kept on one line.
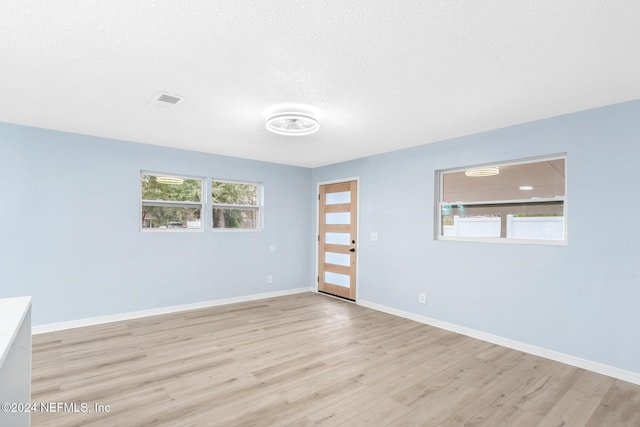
{"points": [[293, 124]]}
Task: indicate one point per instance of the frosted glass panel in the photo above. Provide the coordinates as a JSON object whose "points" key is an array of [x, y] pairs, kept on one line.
{"points": [[338, 198], [336, 279], [338, 218], [337, 238], [337, 259]]}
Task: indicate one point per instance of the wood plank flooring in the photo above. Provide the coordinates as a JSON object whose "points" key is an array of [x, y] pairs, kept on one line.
{"points": [[309, 359]]}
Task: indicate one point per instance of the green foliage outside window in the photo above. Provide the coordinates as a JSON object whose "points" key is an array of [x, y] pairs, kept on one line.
{"points": [[158, 193], [235, 205], [181, 190]]}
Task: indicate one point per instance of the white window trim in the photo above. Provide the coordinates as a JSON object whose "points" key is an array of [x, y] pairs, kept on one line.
{"points": [[161, 203], [501, 240], [259, 206], [504, 241]]}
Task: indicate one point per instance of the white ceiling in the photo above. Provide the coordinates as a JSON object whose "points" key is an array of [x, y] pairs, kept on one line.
{"points": [[382, 75]]}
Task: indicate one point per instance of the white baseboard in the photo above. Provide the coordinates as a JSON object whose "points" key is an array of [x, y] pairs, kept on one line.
{"points": [[600, 368], [51, 327]]}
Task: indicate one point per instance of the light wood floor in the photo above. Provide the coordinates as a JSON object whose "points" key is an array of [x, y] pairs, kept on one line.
{"points": [[308, 359]]}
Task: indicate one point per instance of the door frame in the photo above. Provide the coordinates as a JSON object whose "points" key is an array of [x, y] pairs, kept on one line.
{"points": [[315, 238]]}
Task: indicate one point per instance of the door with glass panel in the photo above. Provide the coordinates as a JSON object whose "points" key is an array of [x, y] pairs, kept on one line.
{"points": [[337, 239]]}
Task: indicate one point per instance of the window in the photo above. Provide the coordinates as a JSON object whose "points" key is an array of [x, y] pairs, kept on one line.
{"points": [[235, 205], [171, 202], [520, 202]]}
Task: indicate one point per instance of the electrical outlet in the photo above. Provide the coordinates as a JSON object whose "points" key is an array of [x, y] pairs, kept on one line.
{"points": [[422, 298], [269, 279]]}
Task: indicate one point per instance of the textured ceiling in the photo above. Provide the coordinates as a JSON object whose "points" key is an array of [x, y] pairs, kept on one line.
{"points": [[382, 75]]}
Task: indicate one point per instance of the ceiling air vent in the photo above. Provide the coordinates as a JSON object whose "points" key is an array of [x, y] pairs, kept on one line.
{"points": [[165, 101]]}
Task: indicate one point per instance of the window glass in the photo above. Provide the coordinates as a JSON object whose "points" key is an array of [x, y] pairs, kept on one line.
{"points": [[338, 198], [520, 201], [170, 202], [235, 205]]}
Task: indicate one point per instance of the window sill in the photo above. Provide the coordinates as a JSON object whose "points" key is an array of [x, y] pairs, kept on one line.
{"points": [[235, 230], [503, 241], [171, 230]]}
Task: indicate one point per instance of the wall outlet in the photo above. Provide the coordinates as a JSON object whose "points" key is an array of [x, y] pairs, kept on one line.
{"points": [[422, 298], [269, 279]]}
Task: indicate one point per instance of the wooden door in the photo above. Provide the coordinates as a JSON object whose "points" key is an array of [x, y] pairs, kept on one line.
{"points": [[337, 239]]}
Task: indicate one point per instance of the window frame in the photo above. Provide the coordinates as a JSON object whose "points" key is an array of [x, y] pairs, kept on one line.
{"points": [[258, 207], [178, 204], [439, 203]]}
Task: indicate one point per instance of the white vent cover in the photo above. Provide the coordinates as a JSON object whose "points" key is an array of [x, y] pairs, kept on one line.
{"points": [[165, 101]]}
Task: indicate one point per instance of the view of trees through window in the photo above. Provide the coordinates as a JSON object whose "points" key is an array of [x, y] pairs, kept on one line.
{"points": [[171, 202], [234, 205], [177, 202]]}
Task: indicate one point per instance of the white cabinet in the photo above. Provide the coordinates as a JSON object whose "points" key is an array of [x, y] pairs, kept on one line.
{"points": [[15, 361]]}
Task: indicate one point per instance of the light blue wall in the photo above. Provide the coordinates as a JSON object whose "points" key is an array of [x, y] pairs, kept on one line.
{"points": [[69, 234], [582, 299], [69, 228]]}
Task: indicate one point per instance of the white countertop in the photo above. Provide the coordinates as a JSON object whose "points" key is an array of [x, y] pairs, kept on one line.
{"points": [[12, 313]]}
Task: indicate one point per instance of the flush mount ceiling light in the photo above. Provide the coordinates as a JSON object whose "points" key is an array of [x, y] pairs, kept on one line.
{"points": [[482, 172], [293, 124], [526, 187]]}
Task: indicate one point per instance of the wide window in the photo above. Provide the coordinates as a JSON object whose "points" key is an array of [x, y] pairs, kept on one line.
{"points": [[522, 201], [171, 202], [235, 205]]}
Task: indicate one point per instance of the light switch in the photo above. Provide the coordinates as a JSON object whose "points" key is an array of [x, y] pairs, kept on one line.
{"points": [[373, 236]]}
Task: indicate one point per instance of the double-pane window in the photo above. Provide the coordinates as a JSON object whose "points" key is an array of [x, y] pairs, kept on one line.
{"points": [[235, 205], [171, 202]]}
